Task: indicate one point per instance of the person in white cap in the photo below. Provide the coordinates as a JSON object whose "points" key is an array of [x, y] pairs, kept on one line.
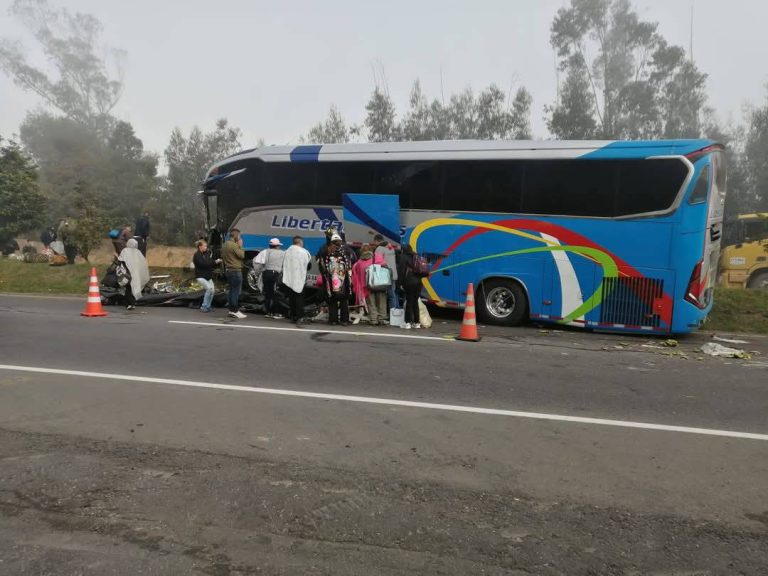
{"points": [[270, 263]]}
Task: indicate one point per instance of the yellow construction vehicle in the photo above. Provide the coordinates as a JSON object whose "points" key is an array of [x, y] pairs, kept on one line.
{"points": [[744, 262]]}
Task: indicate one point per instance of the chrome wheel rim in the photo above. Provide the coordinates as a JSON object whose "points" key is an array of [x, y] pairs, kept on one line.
{"points": [[253, 280], [500, 302]]}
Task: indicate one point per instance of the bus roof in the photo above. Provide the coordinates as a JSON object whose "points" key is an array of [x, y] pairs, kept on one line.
{"points": [[472, 150]]}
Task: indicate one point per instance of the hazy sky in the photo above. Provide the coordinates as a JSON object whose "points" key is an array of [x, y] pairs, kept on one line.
{"points": [[273, 68]]}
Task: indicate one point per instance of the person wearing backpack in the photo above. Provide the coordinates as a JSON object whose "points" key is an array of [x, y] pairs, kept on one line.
{"points": [[411, 270], [138, 272], [371, 280], [388, 251]]}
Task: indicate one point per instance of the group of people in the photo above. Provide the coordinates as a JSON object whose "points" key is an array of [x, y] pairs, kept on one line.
{"points": [[140, 233], [343, 276], [60, 240], [287, 267]]}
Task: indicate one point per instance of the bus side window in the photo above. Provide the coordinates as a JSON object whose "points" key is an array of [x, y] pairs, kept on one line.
{"points": [[418, 184], [648, 185], [337, 178], [486, 186], [288, 183], [701, 189], [570, 188]]}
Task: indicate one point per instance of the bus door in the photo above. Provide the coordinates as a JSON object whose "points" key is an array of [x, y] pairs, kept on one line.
{"points": [[713, 234], [366, 215], [215, 236]]}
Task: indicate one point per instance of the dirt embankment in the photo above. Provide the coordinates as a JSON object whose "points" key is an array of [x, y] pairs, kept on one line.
{"points": [[158, 256]]}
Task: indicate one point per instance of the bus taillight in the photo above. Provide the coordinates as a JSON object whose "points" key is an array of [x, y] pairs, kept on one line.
{"points": [[695, 287]]}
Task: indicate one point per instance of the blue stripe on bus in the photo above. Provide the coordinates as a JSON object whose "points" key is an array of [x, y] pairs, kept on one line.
{"points": [[367, 219], [645, 149], [306, 153], [326, 214]]}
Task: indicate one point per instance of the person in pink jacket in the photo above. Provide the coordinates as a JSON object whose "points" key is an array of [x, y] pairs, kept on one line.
{"points": [[374, 301]]}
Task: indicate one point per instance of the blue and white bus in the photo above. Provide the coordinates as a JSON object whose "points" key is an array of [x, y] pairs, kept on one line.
{"points": [[608, 235]]}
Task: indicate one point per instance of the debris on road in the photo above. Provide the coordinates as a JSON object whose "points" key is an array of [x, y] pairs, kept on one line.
{"points": [[729, 340], [676, 353], [669, 343], [715, 349]]}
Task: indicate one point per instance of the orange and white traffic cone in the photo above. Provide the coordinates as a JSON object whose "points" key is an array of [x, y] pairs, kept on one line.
{"points": [[469, 323], [93, 305]]}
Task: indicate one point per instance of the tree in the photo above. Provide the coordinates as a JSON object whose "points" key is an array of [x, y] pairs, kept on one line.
{"points": [[78, 144], [739, 198], [115, 171], [486, 116], [90, 221], [640, 86], [177, 206], [463, 115], [425, 120], [77, 81], [573, 117], [130, 177], [22, 206], [380, 119], [519, 124], [332, 131], [756, 155]]}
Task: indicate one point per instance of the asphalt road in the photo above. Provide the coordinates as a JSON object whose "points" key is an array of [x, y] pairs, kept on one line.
{"points": [[186, 443]]}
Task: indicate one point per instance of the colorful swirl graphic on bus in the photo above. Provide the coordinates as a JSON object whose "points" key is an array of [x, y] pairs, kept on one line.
{"points": [[555, 239]]}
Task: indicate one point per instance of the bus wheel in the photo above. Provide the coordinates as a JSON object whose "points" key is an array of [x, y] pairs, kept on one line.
{"points": [[502, 302], [759, 281], [251, 281]]}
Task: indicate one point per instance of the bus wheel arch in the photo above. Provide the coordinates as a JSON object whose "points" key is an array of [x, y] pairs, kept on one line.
{"points": [[502, 301], [758, 280]]}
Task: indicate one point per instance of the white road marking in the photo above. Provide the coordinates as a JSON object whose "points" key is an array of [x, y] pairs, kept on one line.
{"points": [[393, 402], [311, 330], [43, 296]]}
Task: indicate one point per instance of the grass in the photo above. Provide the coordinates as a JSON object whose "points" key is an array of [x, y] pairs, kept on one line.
{"points": [[734, 310], [20, 277], [739, 311]]}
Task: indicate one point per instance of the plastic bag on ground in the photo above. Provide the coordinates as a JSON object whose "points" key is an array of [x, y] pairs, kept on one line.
{"points": [[715, 349], [424, 318]]}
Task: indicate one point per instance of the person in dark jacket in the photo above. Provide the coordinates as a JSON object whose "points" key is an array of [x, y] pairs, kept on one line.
{"points": [[48, 236], [337, 278], [66, 233], [141, 232], [204, 265], [121, 241], [410, 284]]}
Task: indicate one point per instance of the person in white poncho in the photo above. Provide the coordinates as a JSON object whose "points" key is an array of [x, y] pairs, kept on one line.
{"points": [[137, 266], [296, 262]]}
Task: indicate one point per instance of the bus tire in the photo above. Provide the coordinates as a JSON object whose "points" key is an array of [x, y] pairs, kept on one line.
{"points": [[250, 281], [502, 302], [758, 281]]}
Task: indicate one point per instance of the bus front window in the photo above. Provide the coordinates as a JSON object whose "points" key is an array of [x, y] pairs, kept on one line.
{"points": [[212, 210]]}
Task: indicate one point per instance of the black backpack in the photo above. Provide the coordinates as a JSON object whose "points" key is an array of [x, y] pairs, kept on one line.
{"points": [[123, 274]]}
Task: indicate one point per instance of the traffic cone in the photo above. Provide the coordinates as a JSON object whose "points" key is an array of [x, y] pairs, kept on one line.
{"points": [[469, 323], [93, 305]]}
